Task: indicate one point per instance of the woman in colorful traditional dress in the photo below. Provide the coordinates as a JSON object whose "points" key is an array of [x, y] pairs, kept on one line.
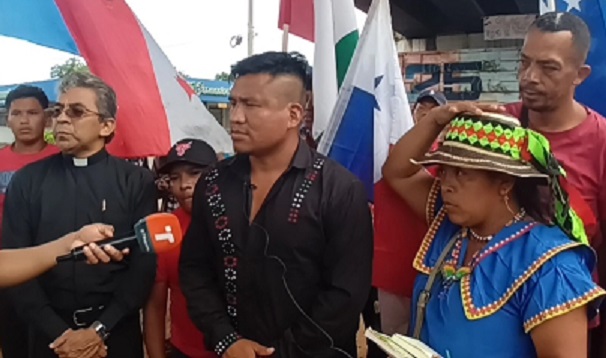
{"points": [[505, 269]]}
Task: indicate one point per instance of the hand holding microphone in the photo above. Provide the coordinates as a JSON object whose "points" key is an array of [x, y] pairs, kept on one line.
{"points": [[155, 233], [86, 238], [91, 233]]}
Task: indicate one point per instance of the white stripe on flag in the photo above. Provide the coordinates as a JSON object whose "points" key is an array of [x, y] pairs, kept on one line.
{"points": [[187, 116], [375, 71]]}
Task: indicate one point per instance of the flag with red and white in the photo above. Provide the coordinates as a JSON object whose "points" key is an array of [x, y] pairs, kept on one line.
{"points": [[156, 106], [297, 16]]}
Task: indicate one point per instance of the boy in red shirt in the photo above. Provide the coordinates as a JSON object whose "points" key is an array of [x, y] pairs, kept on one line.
{"points": [[184, 164], [27, 120]]}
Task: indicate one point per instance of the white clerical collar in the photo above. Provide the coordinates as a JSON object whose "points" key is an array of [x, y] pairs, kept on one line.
{"points": [[80, 162]]}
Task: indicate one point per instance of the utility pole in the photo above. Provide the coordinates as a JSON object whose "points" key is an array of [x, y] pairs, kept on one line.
{"points": [[251, 28]]}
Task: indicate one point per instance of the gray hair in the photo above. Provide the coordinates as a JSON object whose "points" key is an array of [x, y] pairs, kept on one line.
{"points": [[106, 96]]}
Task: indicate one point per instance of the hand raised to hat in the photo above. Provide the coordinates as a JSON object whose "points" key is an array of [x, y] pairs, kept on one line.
{"points": [[442, 115]]}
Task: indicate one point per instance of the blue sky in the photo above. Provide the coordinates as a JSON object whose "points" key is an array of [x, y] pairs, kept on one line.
{"points": [[195, 35]]}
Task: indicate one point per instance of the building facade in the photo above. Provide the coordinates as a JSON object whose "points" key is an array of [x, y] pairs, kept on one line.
{"points": [[464, 67]]}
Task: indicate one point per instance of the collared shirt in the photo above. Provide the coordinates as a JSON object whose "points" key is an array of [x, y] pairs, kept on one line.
{"points": [[297, 278], [57, 195]]}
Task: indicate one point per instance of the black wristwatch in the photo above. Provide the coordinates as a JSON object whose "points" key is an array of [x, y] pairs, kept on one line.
{"points": [[100, 329]]}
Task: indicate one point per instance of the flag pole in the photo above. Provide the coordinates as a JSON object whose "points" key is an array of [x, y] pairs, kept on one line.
{"points": [[251, 28], [285, 38]]}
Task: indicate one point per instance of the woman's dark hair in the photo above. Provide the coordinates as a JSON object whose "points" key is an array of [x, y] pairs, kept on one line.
{"points": [[534, 195]]}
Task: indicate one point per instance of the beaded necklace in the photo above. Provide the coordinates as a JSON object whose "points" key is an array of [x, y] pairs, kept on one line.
{"points": [[450, 272]]}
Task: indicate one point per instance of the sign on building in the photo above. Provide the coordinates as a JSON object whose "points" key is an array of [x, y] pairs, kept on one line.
{"points": [[463, 75], [507, 27]]}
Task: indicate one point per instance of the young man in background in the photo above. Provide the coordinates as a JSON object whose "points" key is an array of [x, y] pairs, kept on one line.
{"points": [[26, 117]]}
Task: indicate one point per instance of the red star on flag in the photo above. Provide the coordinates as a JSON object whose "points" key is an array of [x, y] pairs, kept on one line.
{"points": [[186, 87]]}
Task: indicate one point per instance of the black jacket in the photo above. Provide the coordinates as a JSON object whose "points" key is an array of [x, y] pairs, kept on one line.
{"points": [[50, 198], [297, 278]]}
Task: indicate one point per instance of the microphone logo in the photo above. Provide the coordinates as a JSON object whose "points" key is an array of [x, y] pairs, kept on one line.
{"points": [[160, 232], [166, 236]]}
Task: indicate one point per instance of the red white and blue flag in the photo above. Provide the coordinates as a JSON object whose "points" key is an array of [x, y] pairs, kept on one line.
{"points": [[156, 107], [372, 110]]}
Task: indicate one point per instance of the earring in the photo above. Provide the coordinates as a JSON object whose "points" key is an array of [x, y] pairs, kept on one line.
{"points": [[506, 199]]}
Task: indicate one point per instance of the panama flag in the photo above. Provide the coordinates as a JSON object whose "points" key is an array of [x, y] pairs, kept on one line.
{"points": [[156, 107], [372, 110], [593, 12]]}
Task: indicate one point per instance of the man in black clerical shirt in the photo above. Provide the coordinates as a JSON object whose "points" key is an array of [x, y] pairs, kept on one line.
{"points": [[277, 259], [82, 307]]}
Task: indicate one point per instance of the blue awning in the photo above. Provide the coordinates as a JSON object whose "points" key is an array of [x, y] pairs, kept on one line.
{"points": [[209, 91]]}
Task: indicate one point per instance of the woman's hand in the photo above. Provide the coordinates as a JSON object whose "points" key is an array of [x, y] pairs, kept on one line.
{"points": [[442, 115], [88, 235], [95, 254], [92, 233]]}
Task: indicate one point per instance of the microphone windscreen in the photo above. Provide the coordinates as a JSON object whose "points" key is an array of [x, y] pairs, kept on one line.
{"points": [[158, 233]]}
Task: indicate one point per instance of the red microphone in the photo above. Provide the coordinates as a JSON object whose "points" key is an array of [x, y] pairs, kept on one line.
{"points": [[156, 233]]}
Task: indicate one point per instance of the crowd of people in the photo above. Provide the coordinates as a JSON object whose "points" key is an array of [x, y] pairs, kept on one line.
{"points": [[488, 243]]}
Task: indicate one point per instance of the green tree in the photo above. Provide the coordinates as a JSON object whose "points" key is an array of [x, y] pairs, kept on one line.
{"points": [[72, 65], [223, 76]]}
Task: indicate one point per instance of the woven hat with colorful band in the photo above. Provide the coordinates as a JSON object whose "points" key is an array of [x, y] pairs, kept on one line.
{"points": [[498, 143]]}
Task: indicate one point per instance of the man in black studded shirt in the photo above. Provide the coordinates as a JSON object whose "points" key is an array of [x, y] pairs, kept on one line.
{"points": [[277, 260]]}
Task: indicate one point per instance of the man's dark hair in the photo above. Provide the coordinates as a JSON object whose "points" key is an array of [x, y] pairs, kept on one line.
{"points": [[309, 80], [566, 21], [25, 91], [274, 64]]}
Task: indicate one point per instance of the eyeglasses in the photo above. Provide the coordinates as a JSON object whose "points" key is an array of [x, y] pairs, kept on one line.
{"points": [[72, 111]]}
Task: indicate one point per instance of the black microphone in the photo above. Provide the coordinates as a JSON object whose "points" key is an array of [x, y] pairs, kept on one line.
{"points": [[155, 233]]}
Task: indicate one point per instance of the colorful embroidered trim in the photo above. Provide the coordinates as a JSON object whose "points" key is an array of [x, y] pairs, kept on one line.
{"points": [[501, 138], [432, 200], [472, 312], [225, 343], [230, 261], [496, 245], [563, 308], [419, 261], [310, 178]]}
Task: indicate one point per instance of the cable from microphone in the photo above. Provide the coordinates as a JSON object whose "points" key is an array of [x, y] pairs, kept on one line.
{"points": [[156, 233]]}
